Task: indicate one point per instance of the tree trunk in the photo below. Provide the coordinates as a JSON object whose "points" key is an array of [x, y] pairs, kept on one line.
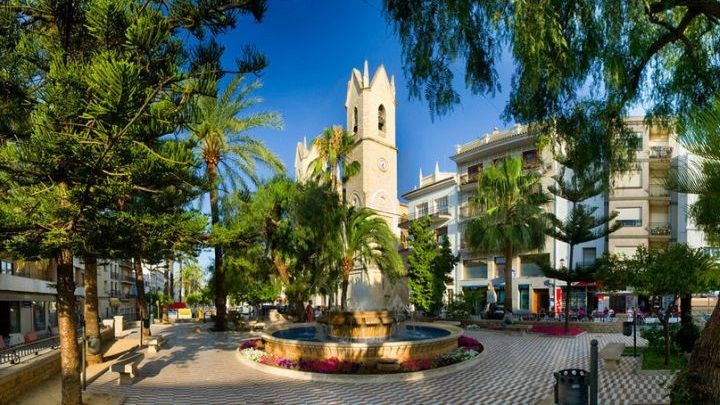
{"points": [[92, 325], [219, 276], [180, 281], [347, 266], [141, 299], [568, 289], [686, 309], [703, 370], [166, 293], [666, 333], [508, 280], [67, 325]]}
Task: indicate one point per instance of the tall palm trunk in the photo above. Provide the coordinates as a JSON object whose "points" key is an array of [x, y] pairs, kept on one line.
{"points": [[180, 282], [703, 370], [69, 351], [92, 325], [508, 279], [347, 266], [219, 276], [141, 299]]}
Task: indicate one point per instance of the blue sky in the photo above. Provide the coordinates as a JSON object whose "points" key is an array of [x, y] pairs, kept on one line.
{"points": [[313, 45]]}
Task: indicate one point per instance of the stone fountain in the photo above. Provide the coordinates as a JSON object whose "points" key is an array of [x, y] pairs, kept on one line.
{"points": [[357, 326]]}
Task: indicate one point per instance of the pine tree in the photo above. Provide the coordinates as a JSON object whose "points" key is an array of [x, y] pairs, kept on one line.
{"points": [[581, 225], [422, 276], [443, 266], [91, 85]]}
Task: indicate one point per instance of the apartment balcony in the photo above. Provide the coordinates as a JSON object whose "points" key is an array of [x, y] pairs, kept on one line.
{"points": [[127, 279], [659, 195], [659, 230], [660, 156], [468, 212], [437, 217], [469, 181], [20, 284]]}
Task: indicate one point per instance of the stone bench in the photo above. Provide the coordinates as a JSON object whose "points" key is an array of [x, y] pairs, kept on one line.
{"points": [[155, 344], [126, 367], [611, 353], [524, 329]]}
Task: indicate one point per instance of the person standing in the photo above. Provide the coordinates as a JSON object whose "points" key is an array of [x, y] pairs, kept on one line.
{"points": [[309, 312]]}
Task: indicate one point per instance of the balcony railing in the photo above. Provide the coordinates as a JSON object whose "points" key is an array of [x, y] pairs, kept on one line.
{"points": [[129, 279], [660, 152], [469, 178], [659, 228], [468, 211]]}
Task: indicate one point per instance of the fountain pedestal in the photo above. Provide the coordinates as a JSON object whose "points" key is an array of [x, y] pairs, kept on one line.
{"points": [[359, 325]]}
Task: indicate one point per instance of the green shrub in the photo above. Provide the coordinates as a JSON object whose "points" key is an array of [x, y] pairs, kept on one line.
{"points": [[686, 336], [656, 342]]}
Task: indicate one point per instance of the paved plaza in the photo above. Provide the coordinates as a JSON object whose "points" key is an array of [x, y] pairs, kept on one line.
{"points": [[203, 369]]}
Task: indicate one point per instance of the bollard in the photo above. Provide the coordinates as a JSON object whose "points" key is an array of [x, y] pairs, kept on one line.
{"points": [[594, 372]]}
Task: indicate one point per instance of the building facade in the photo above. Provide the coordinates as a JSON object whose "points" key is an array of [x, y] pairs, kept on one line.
{"points": [[651, 216]]}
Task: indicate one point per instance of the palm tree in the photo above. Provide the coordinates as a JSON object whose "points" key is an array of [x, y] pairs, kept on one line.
{"points": [[367, 240], [332, 165], [511, 219], [700, 134], [230, 157]]}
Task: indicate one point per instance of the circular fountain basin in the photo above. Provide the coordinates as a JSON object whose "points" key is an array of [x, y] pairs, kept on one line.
{"points": [[410, 340]]}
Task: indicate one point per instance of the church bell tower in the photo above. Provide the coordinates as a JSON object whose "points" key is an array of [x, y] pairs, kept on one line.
{"points": [[370, 108]]}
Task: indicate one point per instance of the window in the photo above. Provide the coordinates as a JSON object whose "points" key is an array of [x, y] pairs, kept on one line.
{"points": [[588, 256], [530, 264], [630, 217], [474, 170], [441, 234], [524, 296], [381, 119], [500, 260], [530, 158], [15, 317], [442, 205], [474, 269], [639, 142], [631, 179], [7, 267], [421, 210], [39, 315], [52, 314], [355, 121]]}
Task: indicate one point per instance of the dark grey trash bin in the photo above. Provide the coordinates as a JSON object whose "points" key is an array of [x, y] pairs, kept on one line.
{"points": [[627, 328], [571, 386]]}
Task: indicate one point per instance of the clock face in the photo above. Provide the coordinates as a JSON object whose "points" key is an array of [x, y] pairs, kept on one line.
{"points": [[383, 164]]}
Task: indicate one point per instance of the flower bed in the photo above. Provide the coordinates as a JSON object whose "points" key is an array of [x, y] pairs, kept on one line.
{"points": [[556, 330], [468, 348]]}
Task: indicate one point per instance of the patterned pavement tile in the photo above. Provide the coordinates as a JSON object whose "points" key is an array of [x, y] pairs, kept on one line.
{"points": [[515, 369]]}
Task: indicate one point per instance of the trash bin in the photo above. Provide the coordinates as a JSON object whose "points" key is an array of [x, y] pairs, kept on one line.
{"points": [[627, 328], [571, 386]]}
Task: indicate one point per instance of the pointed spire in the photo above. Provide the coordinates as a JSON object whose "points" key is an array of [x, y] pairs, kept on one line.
{"points": [[366, 75], [420, 178], [437, 170]]}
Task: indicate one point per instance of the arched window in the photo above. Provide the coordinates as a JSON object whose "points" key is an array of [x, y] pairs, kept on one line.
{"points": [[355, 121], [381, 119]]}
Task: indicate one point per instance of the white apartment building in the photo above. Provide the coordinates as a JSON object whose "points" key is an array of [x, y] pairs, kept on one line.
{"points": [[651, 216]]}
